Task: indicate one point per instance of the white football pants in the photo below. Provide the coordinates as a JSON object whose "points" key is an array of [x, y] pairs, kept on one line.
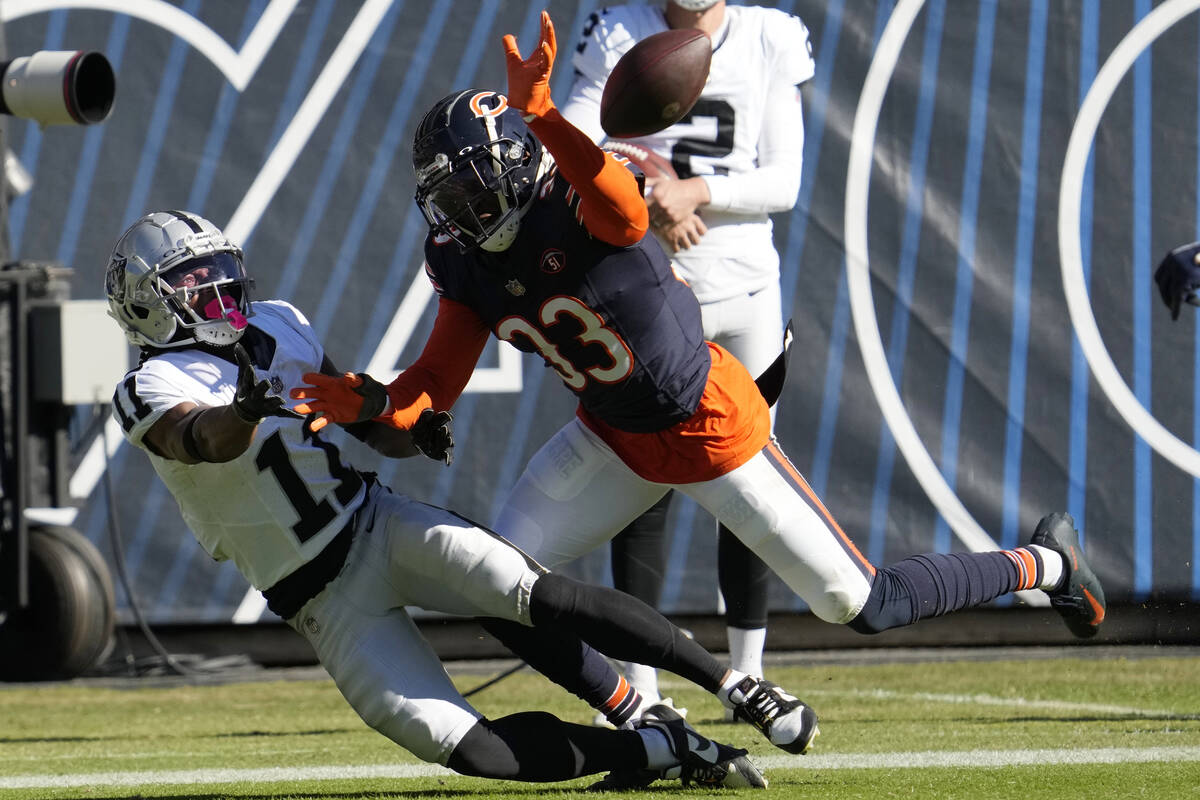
{"points": [[576, 494], [407, 553]]}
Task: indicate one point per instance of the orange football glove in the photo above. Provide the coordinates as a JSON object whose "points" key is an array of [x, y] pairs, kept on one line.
{"points": [[529, 80], [342, 398]]}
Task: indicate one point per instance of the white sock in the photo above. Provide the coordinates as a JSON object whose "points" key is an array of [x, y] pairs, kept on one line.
{"points": [[746, 649], [735, 677], [658, 749], [645, 680], [1053, 569]]}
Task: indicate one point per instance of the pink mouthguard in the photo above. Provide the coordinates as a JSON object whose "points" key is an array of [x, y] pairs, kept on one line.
{"points": [[225, 308]]}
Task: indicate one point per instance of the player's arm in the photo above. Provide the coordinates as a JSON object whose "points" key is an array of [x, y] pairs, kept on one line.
{"points": [[611, 203], [434, 381], [774, 184], [193, 433], [383, 439]]}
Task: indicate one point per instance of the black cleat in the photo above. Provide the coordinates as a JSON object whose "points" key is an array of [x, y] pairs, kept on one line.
{"points": [[1079, 598], [702, 761], [788, 723]]}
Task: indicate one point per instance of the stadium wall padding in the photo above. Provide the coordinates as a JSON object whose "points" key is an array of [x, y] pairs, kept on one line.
{"points": [[942, 394]]}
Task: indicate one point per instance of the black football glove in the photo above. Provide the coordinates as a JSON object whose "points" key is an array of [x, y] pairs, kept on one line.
{"points": [[253, 399], [1178, 277], [431, 435], [374, 395]]}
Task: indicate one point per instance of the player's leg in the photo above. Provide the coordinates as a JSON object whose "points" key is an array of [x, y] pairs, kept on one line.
{"points": [[771, 508], [639, 559], [440, 561], [744, 580], [392, 678], [639, 554], [574, 495], [750, 326]]}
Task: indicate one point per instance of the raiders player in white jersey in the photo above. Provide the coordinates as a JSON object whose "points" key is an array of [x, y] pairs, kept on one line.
{"points": [[339, 556], [737, 156]]}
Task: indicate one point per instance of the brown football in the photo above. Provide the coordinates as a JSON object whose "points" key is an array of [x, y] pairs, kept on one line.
{"points": [[656, 83], [650, 163]]}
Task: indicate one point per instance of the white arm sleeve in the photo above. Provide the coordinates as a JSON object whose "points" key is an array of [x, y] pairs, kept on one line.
{"points": [[774, 184], [582, 108]]}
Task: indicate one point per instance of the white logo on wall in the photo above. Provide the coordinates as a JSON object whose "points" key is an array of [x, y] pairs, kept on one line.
{"points": [[862, 304]]}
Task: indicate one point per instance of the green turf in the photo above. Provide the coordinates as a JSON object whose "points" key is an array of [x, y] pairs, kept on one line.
{"points": [[876, 711]]}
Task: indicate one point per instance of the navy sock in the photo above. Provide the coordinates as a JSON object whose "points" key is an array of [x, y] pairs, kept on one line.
{"points": [[937, 583], [565, 659]]}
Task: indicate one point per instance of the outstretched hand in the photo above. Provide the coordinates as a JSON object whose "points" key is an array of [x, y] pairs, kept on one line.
{"points": [[252, 400], [347, 398], [1178, 277], [431, 435], [529, 79]]}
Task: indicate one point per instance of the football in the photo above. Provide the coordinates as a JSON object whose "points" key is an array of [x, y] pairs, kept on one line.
{"points": [[656, 83], [650, 163]]}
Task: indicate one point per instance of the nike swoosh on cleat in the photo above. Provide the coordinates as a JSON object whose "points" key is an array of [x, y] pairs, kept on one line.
{"points": [[705, 749], [1097, 609]]}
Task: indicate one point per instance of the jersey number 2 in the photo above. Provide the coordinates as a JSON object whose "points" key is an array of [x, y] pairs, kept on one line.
{"points": [[719, 146]]}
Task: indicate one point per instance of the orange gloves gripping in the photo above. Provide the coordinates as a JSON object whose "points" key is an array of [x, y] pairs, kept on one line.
{"points": [[529, 79], [342, 398]]}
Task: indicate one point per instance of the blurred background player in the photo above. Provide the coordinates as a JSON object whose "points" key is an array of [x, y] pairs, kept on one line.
{"points": [[1178, 277], [737, 157], [540, 238], [339, 556]]}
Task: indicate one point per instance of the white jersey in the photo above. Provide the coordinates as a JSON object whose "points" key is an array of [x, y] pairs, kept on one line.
{"points": [[745, 135], [276, 506]]}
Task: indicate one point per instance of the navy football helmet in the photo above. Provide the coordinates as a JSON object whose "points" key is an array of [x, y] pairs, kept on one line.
{"points": [[478, 167]]}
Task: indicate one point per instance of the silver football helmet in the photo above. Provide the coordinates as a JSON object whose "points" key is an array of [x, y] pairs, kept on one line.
{"points": [[174, 280]]}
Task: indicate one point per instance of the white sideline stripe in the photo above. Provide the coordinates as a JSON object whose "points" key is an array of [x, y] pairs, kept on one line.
{"points": [[980, 758], [917, 760], [1015, 702], [204, 776]]}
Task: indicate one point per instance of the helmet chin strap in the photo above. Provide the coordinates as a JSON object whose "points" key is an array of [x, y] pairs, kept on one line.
{"points": [[503, 238]]}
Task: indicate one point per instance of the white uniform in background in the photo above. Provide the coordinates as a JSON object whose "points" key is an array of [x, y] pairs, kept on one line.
{"points": [[745, 138], [276, 508]]}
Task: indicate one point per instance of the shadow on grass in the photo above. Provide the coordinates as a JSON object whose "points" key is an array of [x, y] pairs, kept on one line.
{"points": [[314, 732], [134, 737]]}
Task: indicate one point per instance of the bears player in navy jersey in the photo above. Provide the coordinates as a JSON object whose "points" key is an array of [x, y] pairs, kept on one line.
{"points": [[735, 158], [339, 557], [538, 237]]}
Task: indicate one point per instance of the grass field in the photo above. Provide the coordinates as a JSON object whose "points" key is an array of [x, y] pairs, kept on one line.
{"points": [[1122, 726]]}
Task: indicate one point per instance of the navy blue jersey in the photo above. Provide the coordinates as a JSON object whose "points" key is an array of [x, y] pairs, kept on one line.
{"points": [[621, 330]]}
